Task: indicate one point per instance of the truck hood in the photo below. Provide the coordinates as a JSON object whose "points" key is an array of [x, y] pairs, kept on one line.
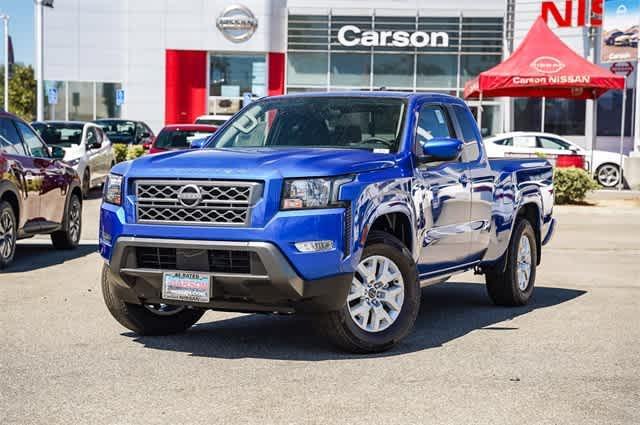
{"points": [[256, 163]]}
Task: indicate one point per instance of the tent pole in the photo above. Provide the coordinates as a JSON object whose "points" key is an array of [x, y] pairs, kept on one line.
{"points": [[624, 113], [544, 105], [479, 114]]}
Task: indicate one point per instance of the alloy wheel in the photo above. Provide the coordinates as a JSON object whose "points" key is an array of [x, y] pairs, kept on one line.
{"points": [[7, 235], [75, 214], [524, 263], [608, 175], [376, 294]]}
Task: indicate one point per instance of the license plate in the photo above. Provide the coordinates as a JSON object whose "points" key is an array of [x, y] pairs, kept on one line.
{"points": [[186, 286]]}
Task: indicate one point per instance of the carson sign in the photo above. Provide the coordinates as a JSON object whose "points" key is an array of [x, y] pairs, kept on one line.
{"points": [[351, 35]]}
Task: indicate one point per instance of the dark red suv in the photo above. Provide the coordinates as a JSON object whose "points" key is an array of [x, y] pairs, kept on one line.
{"points": [[38, 192]]}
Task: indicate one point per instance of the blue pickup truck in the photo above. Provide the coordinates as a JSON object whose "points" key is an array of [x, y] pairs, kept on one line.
{"points": [[342, 205]]}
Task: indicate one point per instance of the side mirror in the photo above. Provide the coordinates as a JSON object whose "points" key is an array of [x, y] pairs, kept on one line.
{"points": [[440, 149], [95, 145], [198, 143], [57, 152]]}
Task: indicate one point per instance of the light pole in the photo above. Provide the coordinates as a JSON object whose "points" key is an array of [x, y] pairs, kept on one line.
{"points": [[5, 18], [40, 5]]}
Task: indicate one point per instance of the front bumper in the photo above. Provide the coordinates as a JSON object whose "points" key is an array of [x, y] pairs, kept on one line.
{"points": [[271, 286]]}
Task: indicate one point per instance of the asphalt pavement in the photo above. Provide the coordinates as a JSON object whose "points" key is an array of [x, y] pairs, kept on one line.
{"points": [[570, 357]]}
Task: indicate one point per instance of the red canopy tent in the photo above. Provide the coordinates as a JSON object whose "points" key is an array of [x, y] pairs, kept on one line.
{"points": [[543, 66]]}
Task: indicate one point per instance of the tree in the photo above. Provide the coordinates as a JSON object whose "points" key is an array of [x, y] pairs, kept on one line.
{"points": [[22, 91]]}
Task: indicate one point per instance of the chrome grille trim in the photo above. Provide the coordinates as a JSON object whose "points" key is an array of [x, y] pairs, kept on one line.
{"points": [[222, 202]]}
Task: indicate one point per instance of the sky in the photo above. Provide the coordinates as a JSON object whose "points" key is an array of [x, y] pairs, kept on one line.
{"points": [[20, 28]]}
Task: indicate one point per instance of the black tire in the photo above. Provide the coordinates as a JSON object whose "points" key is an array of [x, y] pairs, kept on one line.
{"points": [[86, 183], [69, 236], [503, 286], [142, 320], [605, 183], [341, 328], [8, 234]]}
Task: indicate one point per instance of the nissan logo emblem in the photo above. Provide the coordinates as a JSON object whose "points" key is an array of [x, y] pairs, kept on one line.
{"points": [[190, 195], [237, 23]]}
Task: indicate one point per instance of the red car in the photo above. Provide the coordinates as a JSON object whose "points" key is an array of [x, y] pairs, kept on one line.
{"points": [[180, 136]]}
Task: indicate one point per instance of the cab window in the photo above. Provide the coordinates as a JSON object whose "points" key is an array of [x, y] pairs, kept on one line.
{"points": [[34, 145], [433, 122], [471, 151]]}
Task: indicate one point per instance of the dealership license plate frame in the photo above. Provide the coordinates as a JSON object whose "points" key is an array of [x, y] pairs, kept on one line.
{"points": [[187, 286]]}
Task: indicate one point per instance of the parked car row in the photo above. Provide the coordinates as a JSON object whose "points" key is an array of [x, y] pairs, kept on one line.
{"points": [[606, 167]]}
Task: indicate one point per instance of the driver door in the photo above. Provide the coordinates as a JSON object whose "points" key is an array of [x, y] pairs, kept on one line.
{"points": [[442, 194]]}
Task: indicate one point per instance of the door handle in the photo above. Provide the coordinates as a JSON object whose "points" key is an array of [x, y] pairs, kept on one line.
{"points": [[463, 179]]}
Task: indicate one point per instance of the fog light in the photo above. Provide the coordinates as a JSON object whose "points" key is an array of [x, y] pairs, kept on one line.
{"points": [[314, 246]]}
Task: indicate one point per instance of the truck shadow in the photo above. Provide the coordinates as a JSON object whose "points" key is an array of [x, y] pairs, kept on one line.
{"points": [[36, 256], [448, 311]]}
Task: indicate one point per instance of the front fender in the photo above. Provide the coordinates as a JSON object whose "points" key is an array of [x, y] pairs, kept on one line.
{"points": [[375, 200]]}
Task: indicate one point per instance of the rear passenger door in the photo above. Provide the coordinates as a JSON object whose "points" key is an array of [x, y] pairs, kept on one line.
{"points": [[442, 195]]}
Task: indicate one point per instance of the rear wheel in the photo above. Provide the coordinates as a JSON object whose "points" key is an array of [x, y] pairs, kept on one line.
{"points": [[147, 319], [383, 301], [8, 233], [69, 236], [514, 285], [608, 175]]}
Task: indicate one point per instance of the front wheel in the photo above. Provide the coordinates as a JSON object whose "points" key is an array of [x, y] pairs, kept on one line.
{"points": [[513, 286], [383, 301], [147, 319], [69, 236]]}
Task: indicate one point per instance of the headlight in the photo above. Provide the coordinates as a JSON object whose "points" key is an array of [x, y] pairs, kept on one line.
{"points": [[113, 190], [312, 193], [74, 162]]}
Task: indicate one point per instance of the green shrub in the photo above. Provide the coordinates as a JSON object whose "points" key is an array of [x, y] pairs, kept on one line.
{"points": [[572, 184], [134, 151], [120, 152]]}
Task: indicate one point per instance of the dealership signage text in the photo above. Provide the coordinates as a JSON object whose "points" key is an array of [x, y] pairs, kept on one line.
{"points": [[351, 35], [552, 79]]}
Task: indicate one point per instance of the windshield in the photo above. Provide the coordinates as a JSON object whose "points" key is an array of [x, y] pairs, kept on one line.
{"points": [[179, 139], [60, 134], [118, 130], [328, 122]]}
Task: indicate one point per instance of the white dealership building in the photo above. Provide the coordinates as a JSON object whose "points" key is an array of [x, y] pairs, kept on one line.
{"points": [[176, 59]]}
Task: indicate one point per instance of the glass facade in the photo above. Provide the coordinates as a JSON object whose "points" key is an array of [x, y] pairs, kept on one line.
{"points": [[333, 52], [231, 75], [438, 53], [82, 100]]}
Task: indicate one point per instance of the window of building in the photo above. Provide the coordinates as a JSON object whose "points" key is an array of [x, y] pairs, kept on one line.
{"points": [[610, 112], [472, 65], [437, 71], [350, 69], [307, 69], [55, 111], [233, 75], [106, 105], [392, 70], [81, 100], [526, 114]]}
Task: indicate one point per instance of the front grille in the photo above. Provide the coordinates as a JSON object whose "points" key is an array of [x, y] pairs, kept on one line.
{"points": [[211, 260], [203, 202]]}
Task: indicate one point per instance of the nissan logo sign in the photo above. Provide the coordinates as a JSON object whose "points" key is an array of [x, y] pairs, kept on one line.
{"points": [[237, 23], [190, 195], [351, 35]]}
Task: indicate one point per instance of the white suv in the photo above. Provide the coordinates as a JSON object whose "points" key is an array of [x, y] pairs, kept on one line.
{"points": [[87, 148]]}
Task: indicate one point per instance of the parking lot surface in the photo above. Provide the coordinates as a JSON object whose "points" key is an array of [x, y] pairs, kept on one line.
{"points": [[571, 356]]}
